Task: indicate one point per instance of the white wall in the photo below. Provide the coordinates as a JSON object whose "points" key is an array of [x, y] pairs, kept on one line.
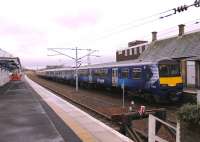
{"points": [[4, 77], [198, 97], [190, 73]]}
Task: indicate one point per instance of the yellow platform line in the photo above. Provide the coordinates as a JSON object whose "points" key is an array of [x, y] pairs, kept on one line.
{"points": [[82, 133]]}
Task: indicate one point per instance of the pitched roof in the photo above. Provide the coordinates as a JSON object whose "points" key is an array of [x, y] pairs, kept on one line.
{"points": [[185, 46]]}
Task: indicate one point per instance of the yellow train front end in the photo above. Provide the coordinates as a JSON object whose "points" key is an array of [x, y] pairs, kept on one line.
{"points": [[170, 80]]}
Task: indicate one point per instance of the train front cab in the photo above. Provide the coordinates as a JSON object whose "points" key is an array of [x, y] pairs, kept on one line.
{"points": [[170, 80]]}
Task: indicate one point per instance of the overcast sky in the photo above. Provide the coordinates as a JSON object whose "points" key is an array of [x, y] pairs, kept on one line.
{"points": [[29, 27]]}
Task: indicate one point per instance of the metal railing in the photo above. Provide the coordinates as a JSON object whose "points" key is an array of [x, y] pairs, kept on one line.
{"points": [[152, 137]]}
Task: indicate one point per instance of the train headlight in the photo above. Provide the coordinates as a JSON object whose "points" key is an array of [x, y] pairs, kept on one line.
{"points": [[163, 85]]}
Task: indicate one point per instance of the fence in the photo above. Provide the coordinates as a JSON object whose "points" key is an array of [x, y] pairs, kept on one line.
{"points": [[152, 137]]}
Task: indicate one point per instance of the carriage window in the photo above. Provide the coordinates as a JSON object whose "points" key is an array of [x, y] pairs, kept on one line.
{"points": [[136, 73], [101, 72], [124, 73], [83, 72]]}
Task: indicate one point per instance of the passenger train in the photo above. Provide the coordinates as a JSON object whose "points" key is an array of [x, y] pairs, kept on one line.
{"points": [[159, 81]]}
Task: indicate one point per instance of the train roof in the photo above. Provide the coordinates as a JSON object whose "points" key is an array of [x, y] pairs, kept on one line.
{"points": [[117, 64], [111, 64], [104, 65], [57, 69]]}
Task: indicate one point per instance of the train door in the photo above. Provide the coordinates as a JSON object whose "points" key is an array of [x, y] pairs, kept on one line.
{"points": [[90, 75], [114, 76]]}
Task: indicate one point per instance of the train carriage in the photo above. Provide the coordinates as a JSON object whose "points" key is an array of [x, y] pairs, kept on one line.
{"points": [[161, 79]]}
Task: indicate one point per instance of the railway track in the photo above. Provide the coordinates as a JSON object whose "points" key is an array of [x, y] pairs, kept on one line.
{"points": [[96, 102], [106, 119]]}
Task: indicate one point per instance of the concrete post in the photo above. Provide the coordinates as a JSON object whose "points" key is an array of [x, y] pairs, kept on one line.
{"points": [[178, 135], [152, 129]]}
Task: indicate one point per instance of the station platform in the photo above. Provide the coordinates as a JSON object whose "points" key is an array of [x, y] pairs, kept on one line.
{"points": [[192, 91], [30, 113]]}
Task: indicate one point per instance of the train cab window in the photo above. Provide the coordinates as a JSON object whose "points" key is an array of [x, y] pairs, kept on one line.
{"points": [[163, 70], [124, 73], [175, 70], [136, 73], [167, 70]]}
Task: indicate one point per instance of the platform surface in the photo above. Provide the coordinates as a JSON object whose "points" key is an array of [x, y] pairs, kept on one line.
{"points": [[25, 117], [86, 127], [193, 91]]}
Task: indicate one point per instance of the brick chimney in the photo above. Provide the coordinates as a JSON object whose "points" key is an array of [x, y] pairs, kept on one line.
{"points": [[154, 36], [181, 29]]}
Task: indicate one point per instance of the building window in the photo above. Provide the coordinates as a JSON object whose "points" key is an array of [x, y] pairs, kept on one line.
{"points": [[126, 52], [136, 73], [120, 52], [130, 51], [135, 51]]}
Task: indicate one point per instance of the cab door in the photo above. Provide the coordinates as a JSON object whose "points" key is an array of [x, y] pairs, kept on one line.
{"points": [[114, 76]]}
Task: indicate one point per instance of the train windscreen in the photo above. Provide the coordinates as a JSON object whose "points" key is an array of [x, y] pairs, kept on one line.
{"points": [[169, 70]]}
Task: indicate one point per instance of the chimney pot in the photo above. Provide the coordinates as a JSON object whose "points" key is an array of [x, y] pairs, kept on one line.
{"points": [[154, 36], [181, 29]]}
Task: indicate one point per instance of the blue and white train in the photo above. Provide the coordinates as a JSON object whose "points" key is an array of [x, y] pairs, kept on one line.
{"points": [[159, 80]]}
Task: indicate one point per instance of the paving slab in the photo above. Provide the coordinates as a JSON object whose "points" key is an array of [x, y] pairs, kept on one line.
{"points": [[85, 126], [24, 117]]}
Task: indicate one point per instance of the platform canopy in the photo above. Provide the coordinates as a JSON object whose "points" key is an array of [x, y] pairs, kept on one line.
{"points": [[10, 63]]}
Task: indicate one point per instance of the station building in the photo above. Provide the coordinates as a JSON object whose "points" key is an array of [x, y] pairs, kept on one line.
{"points": [[133, 51], [184, 47]]}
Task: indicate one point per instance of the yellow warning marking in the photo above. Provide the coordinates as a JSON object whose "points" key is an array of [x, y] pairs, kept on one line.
{"points": [[83, 134], [171, 81]]}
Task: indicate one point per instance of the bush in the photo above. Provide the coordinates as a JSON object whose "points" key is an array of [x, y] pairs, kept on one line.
{"points": [[190, 113]]}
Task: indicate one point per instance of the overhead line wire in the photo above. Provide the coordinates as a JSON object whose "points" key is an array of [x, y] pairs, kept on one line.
{"points": [[174, 10]]}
